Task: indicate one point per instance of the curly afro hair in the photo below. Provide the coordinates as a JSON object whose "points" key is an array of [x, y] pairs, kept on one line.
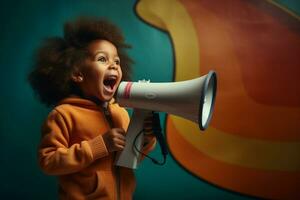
{"points": [[58, 57]]}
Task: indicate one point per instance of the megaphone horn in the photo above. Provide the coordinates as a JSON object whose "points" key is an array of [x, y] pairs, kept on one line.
{"points": [[192, 99]]}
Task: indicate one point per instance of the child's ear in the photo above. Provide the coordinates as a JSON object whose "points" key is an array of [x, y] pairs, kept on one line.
{"points": [[77, 76]]}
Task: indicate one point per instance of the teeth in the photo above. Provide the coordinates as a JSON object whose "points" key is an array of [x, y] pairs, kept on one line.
{"points": [[112, 77]]}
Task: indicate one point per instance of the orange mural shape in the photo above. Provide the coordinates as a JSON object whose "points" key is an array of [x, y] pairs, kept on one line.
{"points": [[253, 143], [256, 55]]}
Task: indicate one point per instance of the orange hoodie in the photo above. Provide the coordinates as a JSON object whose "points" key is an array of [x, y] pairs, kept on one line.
{"points": [[73, 149]]}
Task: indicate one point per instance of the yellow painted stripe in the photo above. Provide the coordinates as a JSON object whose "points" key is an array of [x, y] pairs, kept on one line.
{"points": [[171, 16], [236, 150]]}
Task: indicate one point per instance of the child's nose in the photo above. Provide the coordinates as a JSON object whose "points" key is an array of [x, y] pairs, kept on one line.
{"points": [[113, 66]]}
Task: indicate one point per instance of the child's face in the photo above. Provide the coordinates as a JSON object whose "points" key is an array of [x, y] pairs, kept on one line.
{"points": [[101, 72]]}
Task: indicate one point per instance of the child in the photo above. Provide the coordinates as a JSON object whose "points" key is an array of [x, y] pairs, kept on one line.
{"points": [[79, 75]]}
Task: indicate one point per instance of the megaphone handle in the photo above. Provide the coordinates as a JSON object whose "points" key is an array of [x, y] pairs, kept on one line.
{"points": [[129, 156]]}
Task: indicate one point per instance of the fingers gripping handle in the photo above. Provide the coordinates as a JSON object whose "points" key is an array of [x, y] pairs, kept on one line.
{"points": [[129, 157]]}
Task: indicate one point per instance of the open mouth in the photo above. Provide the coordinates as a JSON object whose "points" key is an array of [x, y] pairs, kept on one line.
{"points": [[110, 82]]}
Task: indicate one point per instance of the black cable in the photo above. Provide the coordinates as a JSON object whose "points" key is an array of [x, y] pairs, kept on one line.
{"points": [[160, 138], [151, 158]]}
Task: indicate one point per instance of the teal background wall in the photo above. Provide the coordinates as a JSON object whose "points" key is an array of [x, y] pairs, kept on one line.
{"points": [[23, 25]]}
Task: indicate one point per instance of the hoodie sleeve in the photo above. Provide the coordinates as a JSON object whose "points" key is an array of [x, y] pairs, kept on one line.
{"points": [[56, 157]]}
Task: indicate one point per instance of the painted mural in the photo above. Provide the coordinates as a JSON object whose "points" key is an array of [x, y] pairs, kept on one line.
{"points": [[253, 143]]}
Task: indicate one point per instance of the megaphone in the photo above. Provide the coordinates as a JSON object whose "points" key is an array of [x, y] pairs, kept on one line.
{"points": [[191, 99]]}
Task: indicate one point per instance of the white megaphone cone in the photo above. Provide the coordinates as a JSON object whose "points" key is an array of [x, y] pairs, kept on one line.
{"points": [[192, 99]]}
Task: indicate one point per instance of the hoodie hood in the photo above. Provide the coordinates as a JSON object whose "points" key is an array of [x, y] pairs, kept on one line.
{"points": [[78, 101]]}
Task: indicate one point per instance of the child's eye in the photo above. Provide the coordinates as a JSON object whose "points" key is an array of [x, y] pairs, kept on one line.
{"points": [[117, 62], [102, 59]]}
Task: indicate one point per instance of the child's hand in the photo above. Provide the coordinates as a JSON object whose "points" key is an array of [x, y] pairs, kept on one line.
{"points": [[114, 139]]}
